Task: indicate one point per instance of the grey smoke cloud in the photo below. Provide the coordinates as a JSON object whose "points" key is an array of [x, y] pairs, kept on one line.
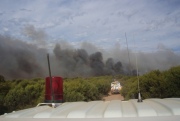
{"points": [[72, 63], [162, 59], [36, 35], [19, 59], [77, 62]]}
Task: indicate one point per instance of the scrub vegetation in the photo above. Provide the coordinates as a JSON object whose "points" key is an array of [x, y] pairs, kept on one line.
{"points": [[22, 93], [155, 84]]}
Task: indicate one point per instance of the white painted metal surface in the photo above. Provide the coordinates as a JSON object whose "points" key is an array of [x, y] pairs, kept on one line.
{"points": [[149, 109]]}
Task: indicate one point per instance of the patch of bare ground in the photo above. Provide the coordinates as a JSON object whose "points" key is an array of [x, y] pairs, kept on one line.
{"points": [[113, 97]]}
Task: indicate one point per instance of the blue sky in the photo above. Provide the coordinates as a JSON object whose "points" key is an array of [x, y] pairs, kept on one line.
{"points": [[151, 24]]}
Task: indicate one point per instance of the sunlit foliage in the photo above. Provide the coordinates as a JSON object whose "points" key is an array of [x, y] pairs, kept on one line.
{"points": [[154, 84]]}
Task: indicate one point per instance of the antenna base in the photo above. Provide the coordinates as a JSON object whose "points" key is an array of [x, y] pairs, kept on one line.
{"points": [[139, 98]]}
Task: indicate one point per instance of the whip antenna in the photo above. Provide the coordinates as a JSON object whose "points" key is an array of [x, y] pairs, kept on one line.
{"points": [[52, 94], [137, 72], [139, 94], [128, 54]]}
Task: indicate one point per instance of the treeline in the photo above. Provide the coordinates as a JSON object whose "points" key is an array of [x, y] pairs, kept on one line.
{"points": [[155, 84], [86, 89], [21, 93]]}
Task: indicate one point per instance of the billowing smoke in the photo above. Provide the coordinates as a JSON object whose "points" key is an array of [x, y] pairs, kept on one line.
{"points": [[77, 62], [160, 60], [37, 36], [19, 59], [71, 62], [96, 63]]}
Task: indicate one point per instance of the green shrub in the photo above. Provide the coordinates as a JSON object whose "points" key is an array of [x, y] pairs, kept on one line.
{"points": [[154, 84]]}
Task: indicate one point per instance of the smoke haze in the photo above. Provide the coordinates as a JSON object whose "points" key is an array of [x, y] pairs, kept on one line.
{"points": [[37, 36], [19, 59]]}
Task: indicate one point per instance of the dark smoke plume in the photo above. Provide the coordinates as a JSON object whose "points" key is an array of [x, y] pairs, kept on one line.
{"points": [[19, 59], [96, 63], [80, 63], [72, 62]]}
